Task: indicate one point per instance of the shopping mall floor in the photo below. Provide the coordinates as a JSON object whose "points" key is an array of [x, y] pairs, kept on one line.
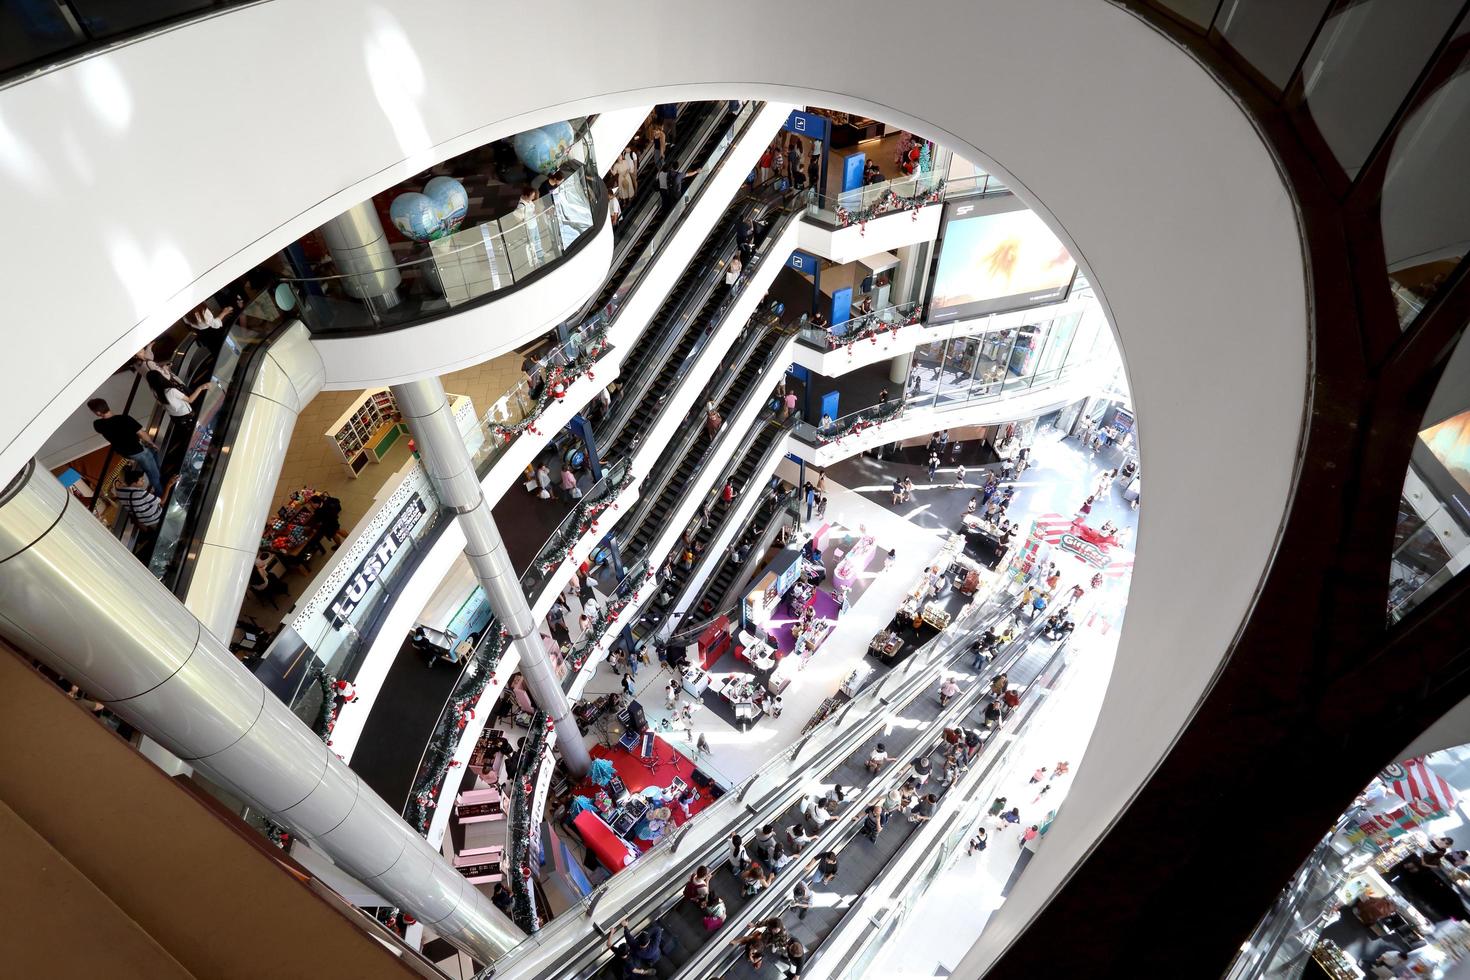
{"points": [[858, 492]]}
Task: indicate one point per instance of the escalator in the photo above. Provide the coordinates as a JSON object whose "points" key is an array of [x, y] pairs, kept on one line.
{"points": [[694, 141], [756, 456], [695, 304], [716, 590], [914, 724], [668, 485]]}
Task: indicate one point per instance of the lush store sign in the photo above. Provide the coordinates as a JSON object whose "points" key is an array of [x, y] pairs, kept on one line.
{"points": [[370, 568]]}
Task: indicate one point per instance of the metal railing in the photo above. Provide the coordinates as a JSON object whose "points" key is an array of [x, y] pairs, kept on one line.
{"points": [[888, 196], [861, 327]]}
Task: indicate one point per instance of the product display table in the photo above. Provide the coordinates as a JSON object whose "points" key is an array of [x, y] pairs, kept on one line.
{"points": [[739, 690], [855, 562]]}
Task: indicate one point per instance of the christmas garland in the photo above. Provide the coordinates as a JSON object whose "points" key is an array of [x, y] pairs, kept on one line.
{"points": [[439, 755], [836, 433], [871, 330], [558, 380], [561, 545], [326, 718], [518, 868], [889, 202]]}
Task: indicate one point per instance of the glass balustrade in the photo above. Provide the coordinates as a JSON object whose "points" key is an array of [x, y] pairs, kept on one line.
{"points": [[460, 269]]}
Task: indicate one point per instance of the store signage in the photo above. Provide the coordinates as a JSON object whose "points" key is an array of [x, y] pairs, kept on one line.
{"points": [[807, 124], [371, 567], [1085, 550], [802, 262]]}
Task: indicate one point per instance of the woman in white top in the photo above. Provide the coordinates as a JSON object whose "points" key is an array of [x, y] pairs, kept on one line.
{"points": [[171, 395], [732, 272], [206, 319], [739, 857]]}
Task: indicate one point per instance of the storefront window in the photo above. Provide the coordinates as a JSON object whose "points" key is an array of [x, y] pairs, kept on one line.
{"points": [[1379, 896], [959, 367], [1425, 211], [1432, 538], [1025, 355], [925, 373], [1058, 343]]}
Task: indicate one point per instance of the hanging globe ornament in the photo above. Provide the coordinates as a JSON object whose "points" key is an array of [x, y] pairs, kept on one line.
{"points": [[451, 202], [414, 215]]}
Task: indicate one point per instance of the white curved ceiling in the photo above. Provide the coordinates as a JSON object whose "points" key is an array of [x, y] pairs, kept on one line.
{"points": [[138, 181]]}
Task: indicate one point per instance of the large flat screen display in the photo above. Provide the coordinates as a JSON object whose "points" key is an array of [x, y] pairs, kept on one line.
{"points": [[1442, 460], [989, 263], [1449, 441]]}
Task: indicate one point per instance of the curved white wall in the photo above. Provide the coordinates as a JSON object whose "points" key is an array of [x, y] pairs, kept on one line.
{"points": [[139, 180]]}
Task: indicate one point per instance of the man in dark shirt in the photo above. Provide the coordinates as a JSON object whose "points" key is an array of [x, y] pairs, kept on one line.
{"points": [[645, 948], [128, 440]]}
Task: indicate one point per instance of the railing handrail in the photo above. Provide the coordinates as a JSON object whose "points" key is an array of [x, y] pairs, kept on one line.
{"points": [[906, 678]]}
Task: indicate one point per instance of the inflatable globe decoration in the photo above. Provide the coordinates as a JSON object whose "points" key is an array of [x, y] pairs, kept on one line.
{"points": [[415, 216], [451, 202], [544, 149]]}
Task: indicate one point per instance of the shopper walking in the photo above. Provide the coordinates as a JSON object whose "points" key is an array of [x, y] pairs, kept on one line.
{"points": [[959, 475], [801, 899], [933, 466], [126, 436], [821, 506], [873, 823]]}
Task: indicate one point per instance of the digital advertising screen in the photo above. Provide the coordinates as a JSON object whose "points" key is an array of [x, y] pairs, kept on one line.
{"points": [[1443, 461], [993, 262]]}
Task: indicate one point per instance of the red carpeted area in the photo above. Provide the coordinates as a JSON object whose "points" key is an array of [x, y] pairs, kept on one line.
{"points": [[636, 775]]}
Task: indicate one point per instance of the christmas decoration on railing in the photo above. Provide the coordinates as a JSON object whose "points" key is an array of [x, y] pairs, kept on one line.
{"points": [[839, 430], [558, 380], [871, 328], [479, 673], [561, 545], [889, 202], [326, 716], [278, 835], [523, 789], [577, 656]]}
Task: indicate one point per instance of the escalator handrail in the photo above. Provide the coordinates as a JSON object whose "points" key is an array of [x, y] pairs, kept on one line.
{"points": [[178, 573], [913, 682], [693, 194], [655, 484]]}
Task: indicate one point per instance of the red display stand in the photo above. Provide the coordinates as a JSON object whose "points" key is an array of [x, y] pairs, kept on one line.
{"points": [[714, 641]]}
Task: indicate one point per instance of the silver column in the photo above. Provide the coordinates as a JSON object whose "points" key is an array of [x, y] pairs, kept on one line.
{"points": [[425, 408], [74, 598], [898, 368], [360, 248]]}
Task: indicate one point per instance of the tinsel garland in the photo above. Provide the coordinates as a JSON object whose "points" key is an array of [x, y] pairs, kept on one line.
{"points": [[560, 547], [871, 331], [518, 867], [439, 754], [889, 202], [836, 433], [558, 380]]}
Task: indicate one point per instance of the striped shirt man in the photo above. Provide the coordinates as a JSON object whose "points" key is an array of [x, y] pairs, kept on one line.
{"points": [[145, 508]]}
